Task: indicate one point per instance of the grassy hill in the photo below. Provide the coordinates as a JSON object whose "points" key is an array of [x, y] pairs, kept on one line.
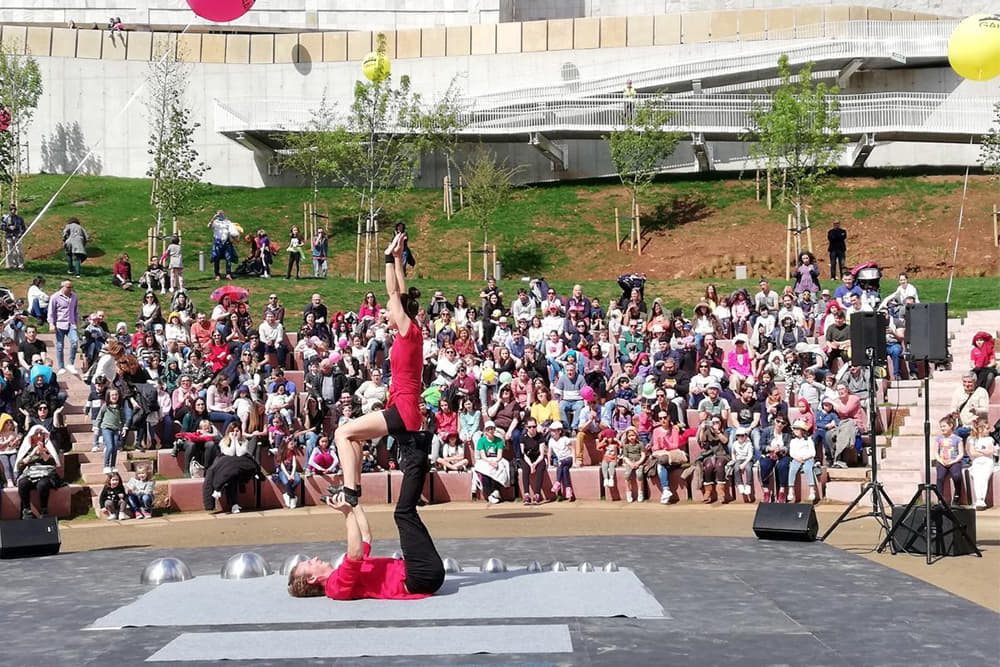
{"points": [[695, 231]]}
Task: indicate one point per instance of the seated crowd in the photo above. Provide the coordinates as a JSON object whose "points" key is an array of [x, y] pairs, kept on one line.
{"points": [[761, 382]]}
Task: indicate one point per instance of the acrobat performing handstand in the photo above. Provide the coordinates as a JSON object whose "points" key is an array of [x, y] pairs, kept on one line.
{"points": [[418, 574]]}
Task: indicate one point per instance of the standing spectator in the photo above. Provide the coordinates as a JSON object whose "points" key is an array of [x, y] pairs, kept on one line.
{"points": [[633, 457], [13, 228], [628, 101], [175, 264], [837, 247], [294, 252], [222, 243], [10, 442], [948, 458], [63, 318], [110, 421], [807, 275], [320, 251], [75, 240], [263, 247]]}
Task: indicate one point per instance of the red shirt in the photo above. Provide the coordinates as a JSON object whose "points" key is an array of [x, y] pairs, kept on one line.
{"points": [[406, 361], [379, 578]]}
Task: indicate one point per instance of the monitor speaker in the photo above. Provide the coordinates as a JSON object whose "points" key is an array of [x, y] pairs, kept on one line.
{"points": [[927, 331], [786, 521], [946, 539], [30, 537], [868, 332]]}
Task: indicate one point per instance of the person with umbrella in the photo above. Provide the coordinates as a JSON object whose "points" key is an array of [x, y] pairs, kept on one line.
{"points": [[223, 230], [401, 418]]}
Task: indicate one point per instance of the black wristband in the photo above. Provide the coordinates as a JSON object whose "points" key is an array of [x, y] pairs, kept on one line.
{"points": [[351, 496], [390, 259]]}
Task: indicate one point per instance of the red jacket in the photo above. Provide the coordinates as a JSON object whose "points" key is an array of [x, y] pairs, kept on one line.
{"points": [[380, 578]]}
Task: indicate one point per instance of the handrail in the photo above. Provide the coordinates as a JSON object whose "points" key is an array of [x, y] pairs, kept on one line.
{"points": [[731, 114], [848, 43]]}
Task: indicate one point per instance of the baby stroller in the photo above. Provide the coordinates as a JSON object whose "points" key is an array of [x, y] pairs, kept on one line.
{"points": [[251, 266]]}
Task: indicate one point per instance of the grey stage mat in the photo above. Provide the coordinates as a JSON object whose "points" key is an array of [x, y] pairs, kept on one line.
{"points": [[209, 600], [204, 647]]}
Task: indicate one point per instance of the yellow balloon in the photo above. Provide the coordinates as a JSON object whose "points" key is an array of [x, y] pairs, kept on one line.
{"points": [[974, 47], [375, 66]]}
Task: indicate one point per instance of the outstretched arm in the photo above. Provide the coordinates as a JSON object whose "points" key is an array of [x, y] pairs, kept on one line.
{"points": [[395, 283], [351, 524]]}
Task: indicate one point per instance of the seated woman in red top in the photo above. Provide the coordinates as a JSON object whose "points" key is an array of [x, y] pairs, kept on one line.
{"points": [[406, 361]]}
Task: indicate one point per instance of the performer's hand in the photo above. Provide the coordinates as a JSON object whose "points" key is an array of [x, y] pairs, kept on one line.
{"points": [[338, 503]]}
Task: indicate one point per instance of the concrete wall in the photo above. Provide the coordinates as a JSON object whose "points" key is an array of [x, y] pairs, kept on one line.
{"points": [[266, 15], [482, 39], [270, 15]]}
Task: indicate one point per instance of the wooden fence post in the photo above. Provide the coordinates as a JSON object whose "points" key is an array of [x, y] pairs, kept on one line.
{"points": [[769, 205], [788, 246], [809, 233], [996, 237], [618, 234], [470, 260], [638, 230], [756, 179]]}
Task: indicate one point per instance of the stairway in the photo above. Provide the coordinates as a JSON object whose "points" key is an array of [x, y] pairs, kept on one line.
{"points": [[902, 468]]}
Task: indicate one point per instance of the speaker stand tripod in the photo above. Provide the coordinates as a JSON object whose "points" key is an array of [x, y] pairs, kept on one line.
{"points": [[925, 490], [880, 499]]}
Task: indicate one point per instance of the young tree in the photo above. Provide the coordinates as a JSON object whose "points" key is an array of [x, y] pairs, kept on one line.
{"points": [[174, 164], [797, 130], [487, 187], [20, 89], [989, 151], [377, 150], [311, 152], [641, 146]]}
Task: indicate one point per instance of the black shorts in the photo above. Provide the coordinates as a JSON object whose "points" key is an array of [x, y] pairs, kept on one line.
{"points": [[394, 421]]}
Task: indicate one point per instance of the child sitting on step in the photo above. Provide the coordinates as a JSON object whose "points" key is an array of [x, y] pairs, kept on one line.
{"points": [[139, 493]]}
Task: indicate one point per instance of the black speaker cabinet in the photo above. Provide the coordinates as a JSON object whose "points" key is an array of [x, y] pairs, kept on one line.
{"points": [[786, 521], [927, 331], [868, 331], [30, 537], [946, 539]]}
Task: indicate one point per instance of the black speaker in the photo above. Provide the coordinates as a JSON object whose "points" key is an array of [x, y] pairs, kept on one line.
{"points": [[786, 521], [868, 331], [30, 537], [946, 539], [927, 331]]}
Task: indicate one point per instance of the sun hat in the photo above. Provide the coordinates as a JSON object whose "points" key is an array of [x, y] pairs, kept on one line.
{"points": [[556, 426], [799, 424]]}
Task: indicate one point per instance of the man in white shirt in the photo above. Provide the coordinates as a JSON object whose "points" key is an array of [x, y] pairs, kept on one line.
{"points": [[789, 309], [523, 307], [272, 336]]}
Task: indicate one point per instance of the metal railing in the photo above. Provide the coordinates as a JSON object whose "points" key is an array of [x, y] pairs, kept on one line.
{"points": [[831, 41], [918, 114]]}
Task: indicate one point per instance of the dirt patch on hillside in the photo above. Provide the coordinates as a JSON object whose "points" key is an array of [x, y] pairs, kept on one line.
{"points": [[913, 231]]}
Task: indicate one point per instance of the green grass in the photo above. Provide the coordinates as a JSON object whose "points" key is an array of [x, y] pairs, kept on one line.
{"points": [[548, 230]]}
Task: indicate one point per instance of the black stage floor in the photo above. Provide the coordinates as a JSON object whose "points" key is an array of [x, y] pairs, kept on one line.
{"points": [[731, 601]]}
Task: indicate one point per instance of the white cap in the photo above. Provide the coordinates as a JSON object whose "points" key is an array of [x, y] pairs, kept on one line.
{"points": [[556, 426], [489, 424]]}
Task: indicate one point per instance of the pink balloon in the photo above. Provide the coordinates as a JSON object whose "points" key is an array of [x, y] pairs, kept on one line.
{"points": [[220, 11]]}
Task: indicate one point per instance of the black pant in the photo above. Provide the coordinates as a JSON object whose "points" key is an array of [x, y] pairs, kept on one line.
{"points": [[837, 257], [424, 570], [24, 488], [294, 259]]}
